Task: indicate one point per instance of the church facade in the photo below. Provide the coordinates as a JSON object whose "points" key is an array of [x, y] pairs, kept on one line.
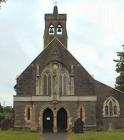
{"points": [[55, 90]]}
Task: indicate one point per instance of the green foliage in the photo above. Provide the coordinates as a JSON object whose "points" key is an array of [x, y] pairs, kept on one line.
{"points": [[6, 118], [99, 136], [7, 113], [15, 135], [120, 70], [7, 109], [1, 116]]}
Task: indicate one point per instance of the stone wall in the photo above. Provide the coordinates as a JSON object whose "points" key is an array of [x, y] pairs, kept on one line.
{"points": [[70, 107]]}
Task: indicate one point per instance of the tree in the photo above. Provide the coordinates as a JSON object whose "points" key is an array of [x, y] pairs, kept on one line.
{"points": [[6, 117], [120, 70], [6, 112], [2, 1]]}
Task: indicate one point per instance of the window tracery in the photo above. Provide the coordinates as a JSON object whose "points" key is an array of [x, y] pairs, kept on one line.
{"points": [[111, 107], [54, 79]]}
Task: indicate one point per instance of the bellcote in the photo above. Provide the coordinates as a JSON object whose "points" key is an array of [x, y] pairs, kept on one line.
{"points": [[55, 26]]}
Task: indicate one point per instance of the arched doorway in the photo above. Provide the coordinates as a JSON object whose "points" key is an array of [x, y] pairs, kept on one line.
{"points": [[62, 120], [47, 120]]}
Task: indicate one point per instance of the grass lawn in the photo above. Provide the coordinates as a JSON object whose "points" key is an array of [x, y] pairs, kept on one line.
{"points": [[98, 136], [17, 135]]}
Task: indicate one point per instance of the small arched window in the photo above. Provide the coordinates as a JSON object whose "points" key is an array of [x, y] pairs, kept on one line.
{"points": [[51, 30], [59, 29], [111, 108], [81, 113], [28, 113]]}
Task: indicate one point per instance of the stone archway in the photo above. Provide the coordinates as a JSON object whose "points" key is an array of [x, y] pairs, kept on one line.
{"points": [[61, 120], [47, 120], [69, 119], [42, 114], [52, 108]]}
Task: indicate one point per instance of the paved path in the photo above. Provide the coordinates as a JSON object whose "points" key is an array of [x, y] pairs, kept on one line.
{"points": [[57, 136]]}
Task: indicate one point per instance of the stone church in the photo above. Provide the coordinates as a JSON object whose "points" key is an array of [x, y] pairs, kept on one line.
{"points": [[55, 90]]}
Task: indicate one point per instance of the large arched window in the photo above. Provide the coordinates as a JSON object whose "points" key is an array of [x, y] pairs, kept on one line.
{"points": [[54, 80], [111, 107], [51, 30], [47, 84]]}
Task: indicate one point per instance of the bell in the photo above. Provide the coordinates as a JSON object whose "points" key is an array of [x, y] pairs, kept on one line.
{"points": [[59, 29], [51, 31]]}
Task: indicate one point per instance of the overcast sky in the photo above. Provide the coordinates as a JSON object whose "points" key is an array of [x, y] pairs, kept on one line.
{"points": [[95, 33]]}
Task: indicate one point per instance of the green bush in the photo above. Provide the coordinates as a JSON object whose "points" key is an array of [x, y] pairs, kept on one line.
{"points": [[6, 118], [5, 124]]}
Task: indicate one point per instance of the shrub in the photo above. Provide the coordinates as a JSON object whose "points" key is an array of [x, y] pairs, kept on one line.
{"points": [[5, 124], [78, 126]]}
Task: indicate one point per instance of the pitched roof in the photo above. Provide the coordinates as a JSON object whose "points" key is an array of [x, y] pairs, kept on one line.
{"points": [[55, 51]]}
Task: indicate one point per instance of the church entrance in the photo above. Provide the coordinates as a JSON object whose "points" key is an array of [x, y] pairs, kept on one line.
{"points": [[48, 120], [62, 120]]}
